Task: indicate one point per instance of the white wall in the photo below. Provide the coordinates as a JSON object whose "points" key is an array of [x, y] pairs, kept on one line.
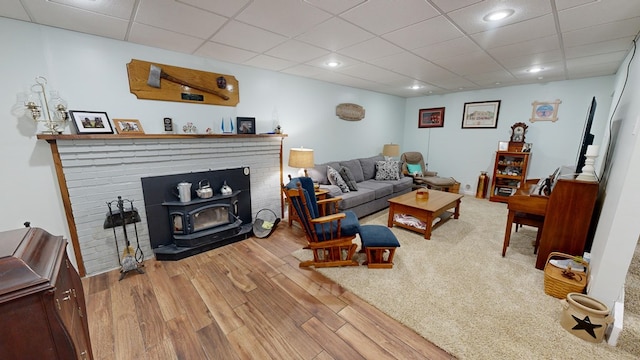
{"points": [[463, 153], [618, 230]]}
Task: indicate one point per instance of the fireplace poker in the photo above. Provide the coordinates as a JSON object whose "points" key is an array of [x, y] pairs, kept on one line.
{"points": [[129, 261]]}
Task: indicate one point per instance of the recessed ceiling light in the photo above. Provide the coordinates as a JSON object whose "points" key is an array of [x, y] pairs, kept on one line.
{"points": [[415, 87], [536, 69], [332, 63], [498, 15]]}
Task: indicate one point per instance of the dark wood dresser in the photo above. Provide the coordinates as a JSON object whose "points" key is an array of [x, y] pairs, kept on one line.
{"points": [[42, 307]]}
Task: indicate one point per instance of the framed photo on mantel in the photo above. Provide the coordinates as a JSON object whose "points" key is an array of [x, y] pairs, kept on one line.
{"points": [[90, 122]]}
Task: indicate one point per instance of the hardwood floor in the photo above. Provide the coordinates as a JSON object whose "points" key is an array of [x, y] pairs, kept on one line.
{"points": [[247, 300]]}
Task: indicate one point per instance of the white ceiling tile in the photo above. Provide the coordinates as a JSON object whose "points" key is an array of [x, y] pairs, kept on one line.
{"points": [[525, 48], [296, 51], [334, 6], [596, 59], [221, 7], [591, 70], [447, 49], [335, 34], [371, 49], [471, 63], [163, 39], [268, 62], [598, 33], [369, 72], [191, 22], [450, 5], [603, 47], [428, 32], [269, 14], [470, 18], [303, 70], [600, 12], [224, 53], [119, 8], [76, 19], [455, 83], [13, 9], [491, 78], [515, 33], [567, 4], [381, 17], [247, 37], [529, 60], [413, 66]]}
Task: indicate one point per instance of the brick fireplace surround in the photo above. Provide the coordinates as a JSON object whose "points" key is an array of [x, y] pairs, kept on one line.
{"points": [[93, 170]]}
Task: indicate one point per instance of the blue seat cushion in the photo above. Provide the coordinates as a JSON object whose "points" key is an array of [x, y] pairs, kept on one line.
{"points": [[377, 236], [350, 226]]}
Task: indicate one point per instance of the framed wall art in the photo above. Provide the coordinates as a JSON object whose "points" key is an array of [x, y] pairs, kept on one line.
{"points": [[90, 122], [128, 126], [481, 115], [430, 118], [545, 111], [246, 125]]}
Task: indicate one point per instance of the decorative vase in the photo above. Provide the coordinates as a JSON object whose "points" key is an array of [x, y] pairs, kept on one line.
{"points": [[483, 180]]}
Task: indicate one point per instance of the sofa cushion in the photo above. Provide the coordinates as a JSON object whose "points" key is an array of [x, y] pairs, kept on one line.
{"points": [[380, 188], [387, 170], [336, 179], [347, 176], [355, 168], [369, 166], [355, 198], [398, 185]]}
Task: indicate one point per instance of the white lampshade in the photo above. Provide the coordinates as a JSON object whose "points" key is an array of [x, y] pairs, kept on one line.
{"points": [[301, 158], [391, 150]]}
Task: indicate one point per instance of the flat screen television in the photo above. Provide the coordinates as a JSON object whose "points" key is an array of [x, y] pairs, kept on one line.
{"points": [[587, 136]]}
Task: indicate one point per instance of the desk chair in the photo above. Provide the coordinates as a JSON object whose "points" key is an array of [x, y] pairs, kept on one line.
{"points": [[525, 210]]}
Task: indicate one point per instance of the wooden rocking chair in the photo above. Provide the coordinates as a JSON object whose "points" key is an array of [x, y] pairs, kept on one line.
{"points": [[330, 236]]}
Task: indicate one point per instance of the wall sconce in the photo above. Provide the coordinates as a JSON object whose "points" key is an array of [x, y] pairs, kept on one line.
{"points": [[55, 117], [301, 158], [390, 150]]}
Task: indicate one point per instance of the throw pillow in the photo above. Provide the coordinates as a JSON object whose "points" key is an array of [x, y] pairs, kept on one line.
{"points": [[387, 170], [414, 168], [335, 179], [348, 177]]}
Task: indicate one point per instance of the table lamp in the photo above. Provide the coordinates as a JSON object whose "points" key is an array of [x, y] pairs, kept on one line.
{"points": [[390, 150], [301, 158]]}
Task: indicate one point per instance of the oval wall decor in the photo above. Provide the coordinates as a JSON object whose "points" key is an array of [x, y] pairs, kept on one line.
{"points": [[351, 112]]}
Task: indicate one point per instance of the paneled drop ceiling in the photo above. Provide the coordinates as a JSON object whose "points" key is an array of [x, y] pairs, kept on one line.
{"points": [[440, 46]]}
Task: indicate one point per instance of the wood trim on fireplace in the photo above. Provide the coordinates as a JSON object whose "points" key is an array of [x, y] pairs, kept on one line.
{"points": [[62, 183]]}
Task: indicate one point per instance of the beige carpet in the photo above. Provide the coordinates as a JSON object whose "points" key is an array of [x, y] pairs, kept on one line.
{"points": [[457, 291]]}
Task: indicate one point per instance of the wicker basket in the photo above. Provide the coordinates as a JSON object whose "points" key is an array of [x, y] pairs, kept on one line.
{"points": [[558, 284]]}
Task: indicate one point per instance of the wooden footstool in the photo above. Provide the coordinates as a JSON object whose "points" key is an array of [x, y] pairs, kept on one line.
{"points": [[379, 243]]}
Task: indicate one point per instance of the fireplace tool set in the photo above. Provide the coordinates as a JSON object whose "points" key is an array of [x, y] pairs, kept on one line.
{"points": [[131, 259]]}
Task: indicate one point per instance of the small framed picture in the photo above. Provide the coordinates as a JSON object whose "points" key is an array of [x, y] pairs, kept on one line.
{"points": [[503, 145], [90, 122], [168, 124], [128, 126], [246, 125], [429, 118], [481, 115], [545, 111]]}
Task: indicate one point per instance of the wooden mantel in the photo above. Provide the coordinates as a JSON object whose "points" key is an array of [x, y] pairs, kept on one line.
{"points": [[62, 182]]}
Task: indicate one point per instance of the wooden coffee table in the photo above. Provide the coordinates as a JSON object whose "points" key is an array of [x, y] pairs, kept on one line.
{"points": [[435, 206]]}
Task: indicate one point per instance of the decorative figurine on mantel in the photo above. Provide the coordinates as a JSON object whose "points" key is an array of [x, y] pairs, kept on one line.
{"points": [[518, 130]]}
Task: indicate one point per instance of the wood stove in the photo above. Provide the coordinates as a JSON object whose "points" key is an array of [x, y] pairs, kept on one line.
{"points": [[180, 229], [201, 220]]}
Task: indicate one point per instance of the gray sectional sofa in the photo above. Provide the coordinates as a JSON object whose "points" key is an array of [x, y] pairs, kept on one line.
{"points": [[371, 194]]}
